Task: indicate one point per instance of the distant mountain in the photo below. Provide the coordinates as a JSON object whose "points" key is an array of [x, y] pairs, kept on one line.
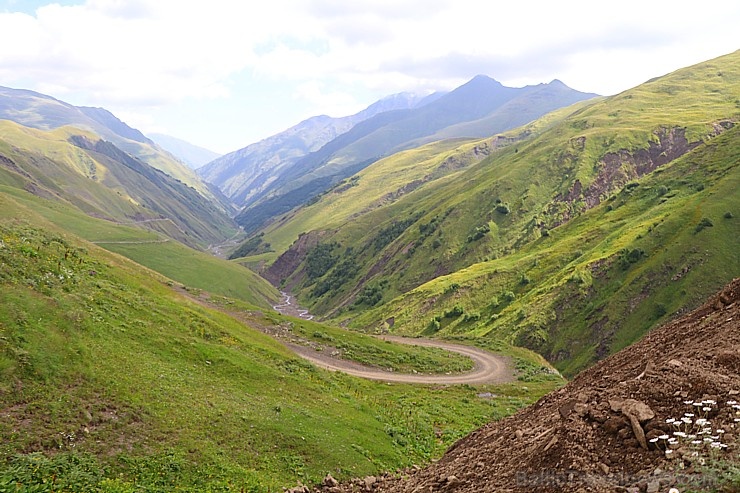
{"points": [[572, 235], [480, 107], [190, 154], [36, 110], [243, 174]]}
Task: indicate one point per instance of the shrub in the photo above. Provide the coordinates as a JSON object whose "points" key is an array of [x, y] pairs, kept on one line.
{"points": [[704, 223], [454, 312]]}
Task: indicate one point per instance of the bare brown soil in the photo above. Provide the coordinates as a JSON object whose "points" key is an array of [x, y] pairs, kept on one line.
{"points": [[601, 432]]}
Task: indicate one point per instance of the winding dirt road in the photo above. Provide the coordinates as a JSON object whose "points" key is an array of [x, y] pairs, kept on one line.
{"points": [[489, 367]]}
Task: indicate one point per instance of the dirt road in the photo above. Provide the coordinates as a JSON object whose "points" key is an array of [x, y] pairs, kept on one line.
{"points": [[489, 367]]}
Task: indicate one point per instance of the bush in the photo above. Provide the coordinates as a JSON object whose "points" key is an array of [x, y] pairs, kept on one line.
{"points": [[629, 257], [454, 312], [479, 233], [704, 223]]}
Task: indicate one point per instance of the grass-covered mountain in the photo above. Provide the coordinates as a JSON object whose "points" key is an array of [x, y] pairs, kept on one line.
{"points": [[246, 174], [35, 110], [480, 107], [574, 236], [113, 378], [79, 168], [192, 155]]}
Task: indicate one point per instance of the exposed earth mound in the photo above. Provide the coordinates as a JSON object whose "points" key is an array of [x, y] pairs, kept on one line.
{"points": [[662, 413]]}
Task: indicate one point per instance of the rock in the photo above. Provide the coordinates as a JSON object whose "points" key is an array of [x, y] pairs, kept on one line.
{"points": [[624, 433], [613, 424], [639, 434], [616, 404], [330, 481], [567, 408], [637, 412], [604, 468], [369, 481], [580, 409], [519, 434], [675, 363], [653, 487], [631, 443], [638, 409], [452, 481]]}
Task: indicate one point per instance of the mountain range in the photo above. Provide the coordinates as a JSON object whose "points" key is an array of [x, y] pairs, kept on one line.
{"points": [[134, 359], [270, 178], [571, 235], [243, 175]]}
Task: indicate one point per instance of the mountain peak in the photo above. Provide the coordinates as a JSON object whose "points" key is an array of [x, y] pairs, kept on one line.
{"points": [[483, 79]]}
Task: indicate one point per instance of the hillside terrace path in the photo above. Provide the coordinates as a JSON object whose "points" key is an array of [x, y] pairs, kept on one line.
{"points": [[488, 367]]}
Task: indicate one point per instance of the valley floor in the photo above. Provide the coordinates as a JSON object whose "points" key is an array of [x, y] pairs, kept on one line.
{"points": [[488, 367]]}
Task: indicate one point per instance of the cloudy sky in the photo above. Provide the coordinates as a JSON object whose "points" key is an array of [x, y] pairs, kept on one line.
{"points": [[225, 73]]}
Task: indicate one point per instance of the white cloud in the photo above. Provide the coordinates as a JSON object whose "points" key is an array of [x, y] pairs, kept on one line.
{"points": [[145, 56]]}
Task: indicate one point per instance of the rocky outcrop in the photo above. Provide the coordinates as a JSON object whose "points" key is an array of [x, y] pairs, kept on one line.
{"points": [[289, 262], [615, 169]]}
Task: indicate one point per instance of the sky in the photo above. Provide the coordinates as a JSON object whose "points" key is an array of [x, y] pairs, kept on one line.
{"points": [[223, 74]]}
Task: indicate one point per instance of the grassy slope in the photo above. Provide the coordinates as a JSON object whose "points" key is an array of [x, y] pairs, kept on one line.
{"points": [[134, 387], [562, 158], [385, 182], [576, 294], [372, 189], [106, 187], [190, 267], [45, 113]]}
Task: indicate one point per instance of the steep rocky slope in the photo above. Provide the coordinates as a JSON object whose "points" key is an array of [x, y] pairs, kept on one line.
{"points": [[611, 429]]}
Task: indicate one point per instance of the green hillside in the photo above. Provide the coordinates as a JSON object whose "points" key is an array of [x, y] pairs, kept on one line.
{"points": [[39, 111], [113, 381], [98, 178], [191, 268], [510, 207]]}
